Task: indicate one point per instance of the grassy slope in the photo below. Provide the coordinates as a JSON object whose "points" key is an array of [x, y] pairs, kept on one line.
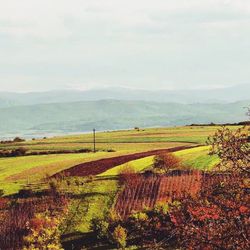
{"points": [[138, 165], [121, 140], [92, 200], [103, 191], [196, 158], [15, 172], [18, 171]]}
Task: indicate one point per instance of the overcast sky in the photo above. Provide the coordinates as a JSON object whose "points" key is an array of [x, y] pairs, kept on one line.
{"points": [[82, 44]]}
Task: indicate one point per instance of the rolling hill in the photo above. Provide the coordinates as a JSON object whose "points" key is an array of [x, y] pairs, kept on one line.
{"points": [[216, 95], [71, 117]]}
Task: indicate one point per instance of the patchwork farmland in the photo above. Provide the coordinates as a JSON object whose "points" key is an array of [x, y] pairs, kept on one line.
{"points": [[17, 172], [91, 185]]}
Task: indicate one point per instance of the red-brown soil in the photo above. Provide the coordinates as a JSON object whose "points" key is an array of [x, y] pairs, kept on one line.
{"points": [[99, 166]]}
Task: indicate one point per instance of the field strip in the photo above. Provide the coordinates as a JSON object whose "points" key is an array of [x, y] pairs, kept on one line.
{"points": [[100, 166], [137, 165]]}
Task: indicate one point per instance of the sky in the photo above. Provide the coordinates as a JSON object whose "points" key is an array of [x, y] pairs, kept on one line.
{"points": [[157, 44]]}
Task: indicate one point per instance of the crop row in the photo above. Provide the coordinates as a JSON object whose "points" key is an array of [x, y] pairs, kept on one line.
{"points": [[147, 191]]}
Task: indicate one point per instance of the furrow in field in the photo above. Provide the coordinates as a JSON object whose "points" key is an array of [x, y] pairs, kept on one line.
{"points": [[98, 166]]}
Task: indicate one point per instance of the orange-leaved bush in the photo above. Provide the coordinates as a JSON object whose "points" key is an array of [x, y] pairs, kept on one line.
{"points": [[164, 162], [43, 233]]}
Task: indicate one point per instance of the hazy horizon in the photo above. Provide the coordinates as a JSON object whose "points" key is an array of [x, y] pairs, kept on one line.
{"points": [[59, 45], [123, 87]]}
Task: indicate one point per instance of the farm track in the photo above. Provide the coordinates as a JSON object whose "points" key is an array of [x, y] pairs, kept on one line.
{"points": [[99, 166]]}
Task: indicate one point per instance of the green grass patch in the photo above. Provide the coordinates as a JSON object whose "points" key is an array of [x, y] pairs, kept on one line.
{"points": [[194, 158], [198, 158], [16, 172], [138, 165], [93, 200], [187, 134]]}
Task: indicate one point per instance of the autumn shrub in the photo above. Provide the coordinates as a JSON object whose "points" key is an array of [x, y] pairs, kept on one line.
{"points": [[129, 175], [16, 212], [3, 205], [101, 228], [233, 148], [21, 151], [219, 219], [127, 170], [18, 139], [14, 152], [1, 193], [109, 150], [214, 219], [5, 153], [164, 162], [54, 186], [25, 193], [120, 237], [147, 226], [43, 233], [13, 218], [113, 216]]}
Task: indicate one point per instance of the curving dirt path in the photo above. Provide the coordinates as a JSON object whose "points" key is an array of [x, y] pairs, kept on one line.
{"points": [[99, 166]]}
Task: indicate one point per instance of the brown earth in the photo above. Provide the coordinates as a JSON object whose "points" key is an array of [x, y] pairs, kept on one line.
{"points": [[99, 166]]}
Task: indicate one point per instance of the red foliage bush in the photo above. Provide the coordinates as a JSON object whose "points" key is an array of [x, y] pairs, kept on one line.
{"points": [[129, 176], [217, 217], [16, 213], [165, 162]]}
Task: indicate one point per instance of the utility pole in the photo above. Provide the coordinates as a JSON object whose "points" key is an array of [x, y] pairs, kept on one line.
{"points": [[94, 140]]}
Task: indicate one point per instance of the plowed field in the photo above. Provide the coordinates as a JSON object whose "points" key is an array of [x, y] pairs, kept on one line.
{"points": [[99, 166]]}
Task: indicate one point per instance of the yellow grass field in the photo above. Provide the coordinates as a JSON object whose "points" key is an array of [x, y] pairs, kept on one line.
{"points": [[16, 172]]}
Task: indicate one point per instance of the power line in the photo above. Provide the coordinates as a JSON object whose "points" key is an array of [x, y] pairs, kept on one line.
{"points": [[94, 142]]}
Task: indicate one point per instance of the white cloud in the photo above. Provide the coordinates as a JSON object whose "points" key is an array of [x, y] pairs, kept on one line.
{"points": [[46, 18], [64, 43]]}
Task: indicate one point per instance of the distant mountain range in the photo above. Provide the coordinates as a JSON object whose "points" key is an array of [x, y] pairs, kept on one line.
{"points": [[68, 117], [219, 95]]}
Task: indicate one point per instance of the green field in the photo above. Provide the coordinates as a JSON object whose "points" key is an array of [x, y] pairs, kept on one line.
{"points": [[195, 158], [16, 172], [198, 158], [137, 165], [94, 198], [103, 189], [125, 140]]}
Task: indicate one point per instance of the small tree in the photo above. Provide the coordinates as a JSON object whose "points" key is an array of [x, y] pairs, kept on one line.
{"points": [[164, 162], [129, 175], [232, 147], [18, 139], [120, 237]]}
